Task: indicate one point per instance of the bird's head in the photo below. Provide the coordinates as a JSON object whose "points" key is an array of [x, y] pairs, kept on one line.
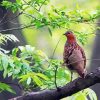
{"points": [[70, 36]]}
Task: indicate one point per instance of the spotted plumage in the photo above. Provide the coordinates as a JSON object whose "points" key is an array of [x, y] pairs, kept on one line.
{"points": [[74, 56]]}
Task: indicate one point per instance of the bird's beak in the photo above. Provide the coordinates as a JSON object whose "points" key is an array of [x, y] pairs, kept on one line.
{"points": [[64, 34]]}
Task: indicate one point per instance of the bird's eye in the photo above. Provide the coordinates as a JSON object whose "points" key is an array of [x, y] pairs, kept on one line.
{"points": [[68, 33]]}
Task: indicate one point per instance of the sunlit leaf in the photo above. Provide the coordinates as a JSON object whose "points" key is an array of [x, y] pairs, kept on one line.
{"points": [[29, 80], [42, 76], [37, 81], [92, 95], [5, 87]]}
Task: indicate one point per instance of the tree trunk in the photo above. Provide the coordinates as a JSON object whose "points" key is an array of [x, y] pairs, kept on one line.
{"points": [[9, 46], [3, 26], [96, 55]]}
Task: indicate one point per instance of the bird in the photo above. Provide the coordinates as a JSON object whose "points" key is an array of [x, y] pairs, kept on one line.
{"points": [[74, 56]]}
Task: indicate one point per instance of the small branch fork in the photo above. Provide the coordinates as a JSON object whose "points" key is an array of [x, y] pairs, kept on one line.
{"points": [[65, 91]]}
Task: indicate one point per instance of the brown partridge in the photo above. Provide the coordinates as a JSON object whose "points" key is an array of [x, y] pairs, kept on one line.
{"points": [[74, 56]]}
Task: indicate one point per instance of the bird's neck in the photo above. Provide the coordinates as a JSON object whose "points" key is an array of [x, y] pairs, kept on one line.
{"points": [[71, 40]]}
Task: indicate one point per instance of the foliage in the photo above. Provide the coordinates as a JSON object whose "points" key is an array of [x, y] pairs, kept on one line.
{"points": [[34, 69], [5, 87], [5, 37], [83, 95], [54, 17]]}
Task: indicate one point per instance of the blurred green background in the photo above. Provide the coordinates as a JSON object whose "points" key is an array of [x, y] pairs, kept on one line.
{"points": [[41, 39]]}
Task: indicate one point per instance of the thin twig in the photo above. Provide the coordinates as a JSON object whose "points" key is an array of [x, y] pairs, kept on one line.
{"points": [[56, 67], [18, 28], [34, 18], [30, 15], [56, 47], [41, 5], [30, 5]]}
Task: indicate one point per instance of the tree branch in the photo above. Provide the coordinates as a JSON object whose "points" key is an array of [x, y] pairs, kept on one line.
{"points": [[17, 28], [42, 5], [67, 90]]}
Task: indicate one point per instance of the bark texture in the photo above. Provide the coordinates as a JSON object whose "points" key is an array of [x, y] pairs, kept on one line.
{"points": [[6, 20], [96, 55], [67, 90]]}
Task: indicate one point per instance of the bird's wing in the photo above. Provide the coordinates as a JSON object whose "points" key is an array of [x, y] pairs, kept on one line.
{"points": [[77, 61], [66, 54], [83, 55], [76, 56]]}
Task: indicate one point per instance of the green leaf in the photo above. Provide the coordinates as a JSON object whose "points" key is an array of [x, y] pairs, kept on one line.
{"points": [[23, 78], [29, 48], [5, 64], [79, 96], [4, 61], [18, 1], [5, 73], [28, 80], [7, 4], [37, 80], [42, 76], [92, 95], [14, 51], [5, 87]]}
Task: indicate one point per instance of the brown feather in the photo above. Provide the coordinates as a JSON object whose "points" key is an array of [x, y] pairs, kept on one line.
{"points": [[74, 57]]}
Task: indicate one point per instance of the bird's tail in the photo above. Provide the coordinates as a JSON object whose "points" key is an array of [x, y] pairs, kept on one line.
{"points": [[84, 73]]}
